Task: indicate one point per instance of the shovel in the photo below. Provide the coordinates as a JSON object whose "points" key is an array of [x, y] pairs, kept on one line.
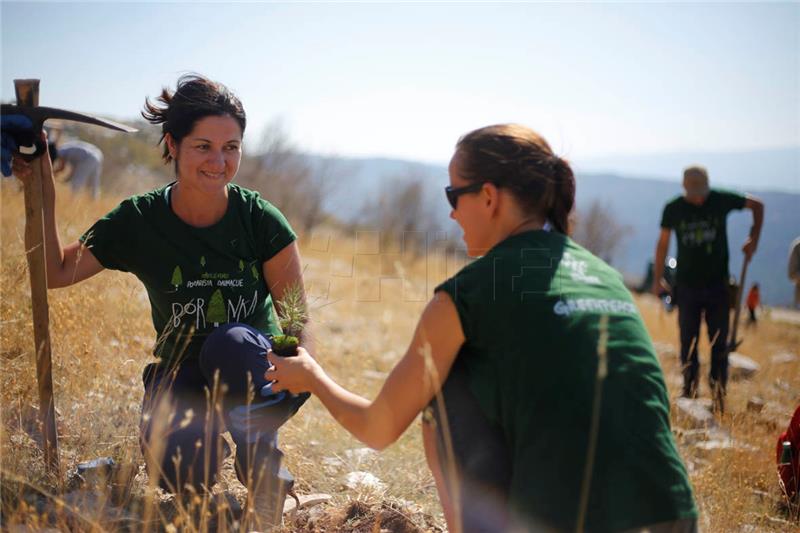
{"points": [[734, 343]]}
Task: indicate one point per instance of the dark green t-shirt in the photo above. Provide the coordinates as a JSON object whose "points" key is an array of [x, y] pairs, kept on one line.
{"points": [[196, 278], [531, 311], [702, 236]]}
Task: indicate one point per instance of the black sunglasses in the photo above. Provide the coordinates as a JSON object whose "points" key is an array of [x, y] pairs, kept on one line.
{"points": [[453, 193]]}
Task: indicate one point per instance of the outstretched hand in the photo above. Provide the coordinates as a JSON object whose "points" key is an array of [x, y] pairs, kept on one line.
{"points": [[295, 374], [8, 145]]}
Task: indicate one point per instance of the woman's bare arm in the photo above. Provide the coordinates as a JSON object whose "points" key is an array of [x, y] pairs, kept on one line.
{"points": [[408, 389], [68, 265]]}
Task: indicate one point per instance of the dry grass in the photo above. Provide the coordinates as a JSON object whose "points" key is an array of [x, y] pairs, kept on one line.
{"points": [[737, 487], [364, 305]]}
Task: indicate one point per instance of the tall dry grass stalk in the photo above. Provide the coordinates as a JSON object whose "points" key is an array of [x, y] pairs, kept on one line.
{"points": [[594, 430], [451, 474]]}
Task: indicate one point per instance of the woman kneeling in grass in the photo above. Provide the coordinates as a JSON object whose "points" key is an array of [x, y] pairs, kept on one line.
{"points": [[557, 410]]}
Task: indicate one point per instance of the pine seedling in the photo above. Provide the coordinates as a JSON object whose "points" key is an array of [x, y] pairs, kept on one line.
{"points": [[292, 317]]}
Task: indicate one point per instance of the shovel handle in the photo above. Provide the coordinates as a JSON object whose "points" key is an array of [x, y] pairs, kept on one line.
{"points": [[733, 343]]}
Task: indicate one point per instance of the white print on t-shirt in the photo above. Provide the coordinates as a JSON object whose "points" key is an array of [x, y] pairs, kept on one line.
{"points": [[230, 283], [211, 283], [193, 308], [216, 311], [242, 308], [593, 305], [578, 270], [199, 283]]}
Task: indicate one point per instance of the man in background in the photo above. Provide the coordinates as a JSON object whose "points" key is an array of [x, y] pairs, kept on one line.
{"points": [[699, 219], [83, 163], [76, 162]]}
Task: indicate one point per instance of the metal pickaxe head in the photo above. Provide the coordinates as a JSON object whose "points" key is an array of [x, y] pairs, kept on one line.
{"points": [[28, 140]]}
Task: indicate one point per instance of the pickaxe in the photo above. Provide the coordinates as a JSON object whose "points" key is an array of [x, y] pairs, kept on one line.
{"points": [[30, 147]]}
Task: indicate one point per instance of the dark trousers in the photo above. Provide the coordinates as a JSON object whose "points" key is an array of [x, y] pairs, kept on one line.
{"points": [[183, 412], [478, 450], [713, 303]]}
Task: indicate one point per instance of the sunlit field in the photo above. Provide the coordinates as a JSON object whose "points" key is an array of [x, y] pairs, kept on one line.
{"points": [[364, 305]]}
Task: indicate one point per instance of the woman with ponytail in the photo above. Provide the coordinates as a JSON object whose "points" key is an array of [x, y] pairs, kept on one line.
{"points": [[547, 405]]}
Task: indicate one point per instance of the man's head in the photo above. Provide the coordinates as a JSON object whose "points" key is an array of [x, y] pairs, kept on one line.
{"points": [[695, 184]]}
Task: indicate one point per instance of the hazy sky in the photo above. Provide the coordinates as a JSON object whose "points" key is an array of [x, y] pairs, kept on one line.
{"points": [[406, 80]]}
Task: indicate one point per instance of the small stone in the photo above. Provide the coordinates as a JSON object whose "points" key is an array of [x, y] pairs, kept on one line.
{"points": [[755, 404], [724, 444], [718, 438], [360, 454], [779, 522], [696, 412], [363, 480], [691, 436], [783, 358], [332, 461], [741, 366], [695, 464], [787, 316], [676, 380], [664, 349]]}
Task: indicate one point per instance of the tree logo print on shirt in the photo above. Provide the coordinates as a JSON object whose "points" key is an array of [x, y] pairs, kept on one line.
{"points": [[202, 261], [177, 278], [699, 233], [216, 309], [241, 265], [254, 272], [578, 270]]}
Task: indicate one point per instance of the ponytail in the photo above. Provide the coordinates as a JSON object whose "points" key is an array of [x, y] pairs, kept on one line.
{"points": [[563, 198], [518, 158]]}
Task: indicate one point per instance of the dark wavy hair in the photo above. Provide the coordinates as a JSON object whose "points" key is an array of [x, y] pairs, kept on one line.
{"points": [[519, 159], [195, 97]]}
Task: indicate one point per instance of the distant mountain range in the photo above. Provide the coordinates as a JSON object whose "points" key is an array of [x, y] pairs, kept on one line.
{"points": [[635, 202], [774, 169]]}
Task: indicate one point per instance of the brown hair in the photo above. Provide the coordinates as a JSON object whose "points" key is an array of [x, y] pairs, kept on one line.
{"points": [[519, 159], [195, 97]]}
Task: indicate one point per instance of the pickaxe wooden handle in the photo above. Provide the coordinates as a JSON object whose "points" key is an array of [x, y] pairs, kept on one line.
{"points": [[28, 96], [32, 148]]}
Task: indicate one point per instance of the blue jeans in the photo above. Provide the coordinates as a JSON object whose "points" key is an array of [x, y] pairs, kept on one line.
{"points": [[713, 304], [191, 442]]}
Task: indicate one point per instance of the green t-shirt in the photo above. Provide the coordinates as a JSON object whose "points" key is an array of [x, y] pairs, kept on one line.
{"points": [[702, 236], [531, 312], [196, 278]]}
